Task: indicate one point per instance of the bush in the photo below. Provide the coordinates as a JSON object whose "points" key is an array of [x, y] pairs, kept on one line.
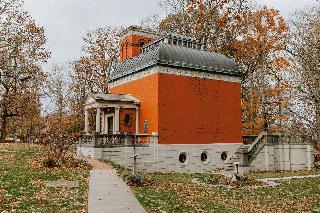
{"points": [[49, 162], [135, 180], [140, 179]]}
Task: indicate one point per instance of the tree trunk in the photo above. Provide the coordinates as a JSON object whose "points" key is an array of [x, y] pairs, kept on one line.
{"points": [[3, 117], [318, 126], [3, 124]]}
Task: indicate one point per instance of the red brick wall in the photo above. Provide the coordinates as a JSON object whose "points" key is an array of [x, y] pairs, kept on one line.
{"points": [[185, 110], [127, 120], [198, 111], [146, 90]]}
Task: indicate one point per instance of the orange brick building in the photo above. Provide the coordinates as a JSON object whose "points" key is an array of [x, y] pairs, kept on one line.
{"points": [[175, 107], [187, 95], [171, 89]]}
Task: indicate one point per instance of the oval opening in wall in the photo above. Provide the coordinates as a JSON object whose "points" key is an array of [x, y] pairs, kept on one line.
{"points": [[183, 158], [204, 157], [224, 156]]}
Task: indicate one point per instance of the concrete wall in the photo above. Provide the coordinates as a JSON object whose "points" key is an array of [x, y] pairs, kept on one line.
{"points": [[284, 157], [165, 158]]}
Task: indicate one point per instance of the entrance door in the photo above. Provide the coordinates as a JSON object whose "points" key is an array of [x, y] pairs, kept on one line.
{"points": [[110, 125]]}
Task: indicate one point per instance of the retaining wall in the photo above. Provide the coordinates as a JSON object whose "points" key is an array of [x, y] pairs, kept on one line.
{"points": [[284, 157], [165, 158]]}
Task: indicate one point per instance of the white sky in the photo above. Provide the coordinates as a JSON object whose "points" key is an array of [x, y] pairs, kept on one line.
{"points": [[67, 21]]}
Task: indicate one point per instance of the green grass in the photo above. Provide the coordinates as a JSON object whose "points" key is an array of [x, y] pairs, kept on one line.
{"points": [[178, 193], [22, 185]]}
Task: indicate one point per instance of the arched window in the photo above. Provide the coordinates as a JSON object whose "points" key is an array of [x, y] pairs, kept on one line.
{"points": [[141, 43], [126, 54], [122, 51]]}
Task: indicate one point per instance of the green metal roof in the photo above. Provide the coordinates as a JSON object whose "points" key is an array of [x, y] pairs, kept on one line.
{"points": [[164, 52]]}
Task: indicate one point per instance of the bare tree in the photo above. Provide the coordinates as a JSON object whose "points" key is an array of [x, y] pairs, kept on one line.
{"points": [[59, 132], [92, 70], [305, 51], [58, 89]]}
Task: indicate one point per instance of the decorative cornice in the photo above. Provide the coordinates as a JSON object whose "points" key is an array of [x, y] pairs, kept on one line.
{"points": [[173, 71]]}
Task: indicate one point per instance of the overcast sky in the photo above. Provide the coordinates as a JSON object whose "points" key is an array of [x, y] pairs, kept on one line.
{"points": [[67, 21]]}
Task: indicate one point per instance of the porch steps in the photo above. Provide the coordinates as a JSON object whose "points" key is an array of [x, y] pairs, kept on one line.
{"points": [[229, 165]]}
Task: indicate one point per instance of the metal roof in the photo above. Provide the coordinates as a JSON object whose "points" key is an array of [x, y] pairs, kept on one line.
{"points": [[174, 51], [115, 97]]}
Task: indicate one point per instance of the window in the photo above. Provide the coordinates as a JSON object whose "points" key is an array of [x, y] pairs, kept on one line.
{"points": [[175, 41], [141, 43], [183, 158]]}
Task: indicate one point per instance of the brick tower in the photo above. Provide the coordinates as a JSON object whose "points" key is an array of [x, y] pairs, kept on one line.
{"points": [[133, 39]]}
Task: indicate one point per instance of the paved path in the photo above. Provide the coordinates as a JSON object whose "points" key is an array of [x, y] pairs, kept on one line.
{"points": [[272, 181], [108, 192]]}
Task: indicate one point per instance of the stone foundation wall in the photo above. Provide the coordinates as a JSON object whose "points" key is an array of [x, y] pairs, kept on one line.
{"points": [[165, 158], [284, 157]]}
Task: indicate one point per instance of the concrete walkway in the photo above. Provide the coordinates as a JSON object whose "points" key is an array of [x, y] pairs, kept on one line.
{"points": [[108, 192], [272, 181]]}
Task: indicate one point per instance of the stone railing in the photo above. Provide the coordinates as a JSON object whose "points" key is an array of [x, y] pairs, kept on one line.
{"points": [[248, 152], [117, 140], [248, 139]]}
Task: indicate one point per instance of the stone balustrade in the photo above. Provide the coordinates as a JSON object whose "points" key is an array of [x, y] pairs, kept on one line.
{"points": [[107, 140]]}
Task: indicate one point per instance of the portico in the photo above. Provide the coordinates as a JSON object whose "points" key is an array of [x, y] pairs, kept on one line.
{"points": [[115, 114]]}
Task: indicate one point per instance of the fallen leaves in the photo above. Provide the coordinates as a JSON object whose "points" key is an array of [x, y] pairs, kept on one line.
{"points": [[22, 182], [179, 193]]}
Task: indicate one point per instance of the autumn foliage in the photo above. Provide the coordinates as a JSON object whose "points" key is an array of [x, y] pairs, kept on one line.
{"points": [[256, 39], [278, 59]]}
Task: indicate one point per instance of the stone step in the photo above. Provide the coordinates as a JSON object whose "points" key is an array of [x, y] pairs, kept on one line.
{"points": [[228, 167]]}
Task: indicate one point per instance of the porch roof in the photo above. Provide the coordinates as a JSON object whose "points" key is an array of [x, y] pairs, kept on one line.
{"points": [[103, 97]]}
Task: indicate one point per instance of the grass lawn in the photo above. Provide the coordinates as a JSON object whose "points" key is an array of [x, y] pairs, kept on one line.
{"points": [[22, 186], [180, 193]]}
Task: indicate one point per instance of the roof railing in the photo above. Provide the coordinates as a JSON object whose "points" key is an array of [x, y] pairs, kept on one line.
{"points": [[175, 39]]}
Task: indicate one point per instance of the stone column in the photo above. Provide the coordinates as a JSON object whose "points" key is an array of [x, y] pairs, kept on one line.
{"points": [[86, 121], [137, 120], [103, 123], [116, 120], [98, 116], [309, 156]]}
